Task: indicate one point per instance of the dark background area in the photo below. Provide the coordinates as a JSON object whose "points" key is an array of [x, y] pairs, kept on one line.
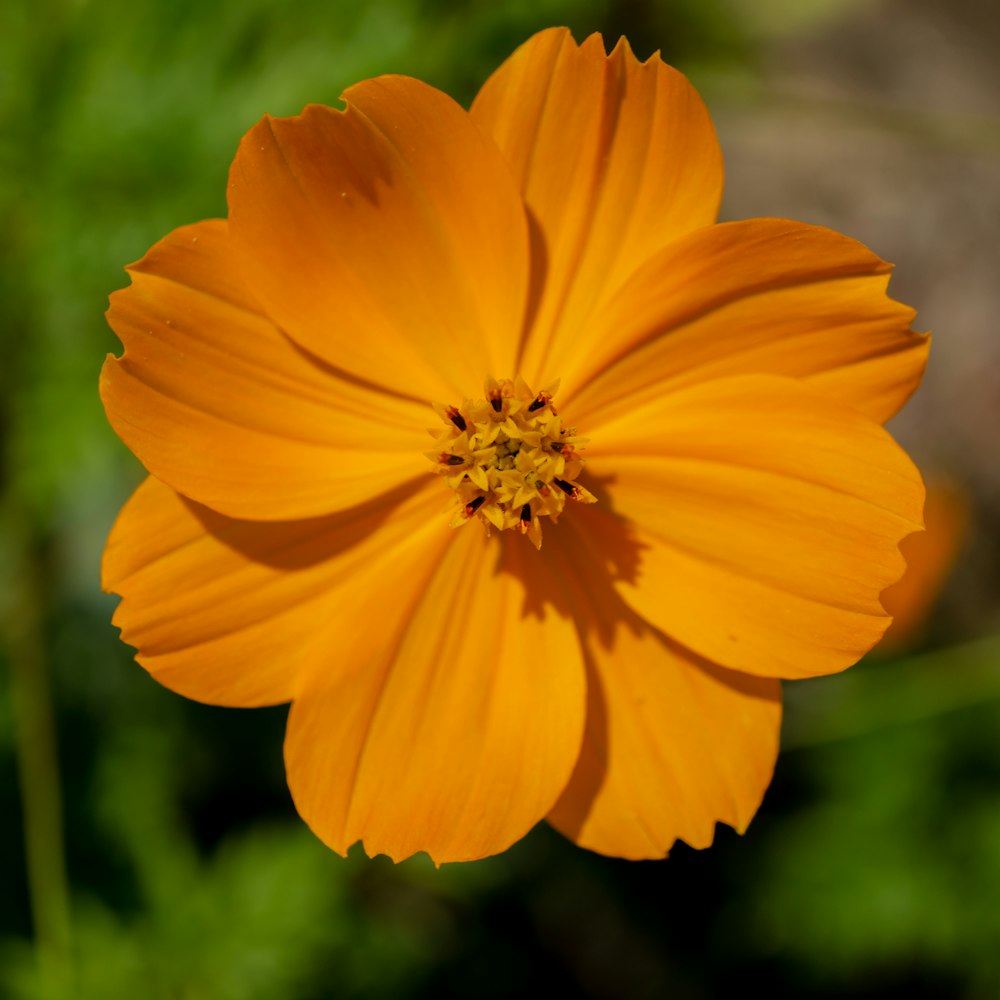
{"points": [[873, 867]]}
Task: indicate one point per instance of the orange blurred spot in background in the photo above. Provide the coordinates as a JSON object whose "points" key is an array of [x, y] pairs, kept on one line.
{"points": [[929, 555]]}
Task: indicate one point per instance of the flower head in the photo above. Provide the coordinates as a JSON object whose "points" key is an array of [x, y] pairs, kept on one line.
{"points": [[655, 482]]}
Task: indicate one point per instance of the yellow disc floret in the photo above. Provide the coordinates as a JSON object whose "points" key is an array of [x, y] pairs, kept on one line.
{"points": [[509, 459]]}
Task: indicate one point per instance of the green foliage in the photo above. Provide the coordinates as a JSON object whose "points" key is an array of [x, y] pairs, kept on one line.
{"points": [[880, 850], [269, 913], [895, 864]]}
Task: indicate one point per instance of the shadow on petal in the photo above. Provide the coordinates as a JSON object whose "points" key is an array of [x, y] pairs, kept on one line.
{"points": [[304, 542], [674, 743]]}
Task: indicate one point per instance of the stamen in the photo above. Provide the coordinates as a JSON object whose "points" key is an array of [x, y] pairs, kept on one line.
{"points": [[504, 454], [451, 414], [542, 399]]}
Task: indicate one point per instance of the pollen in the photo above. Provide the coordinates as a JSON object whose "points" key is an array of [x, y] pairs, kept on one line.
{"points": [[508, 458]]}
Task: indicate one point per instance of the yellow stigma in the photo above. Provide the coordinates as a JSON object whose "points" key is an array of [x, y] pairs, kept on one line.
{"points": [[509, 459]]}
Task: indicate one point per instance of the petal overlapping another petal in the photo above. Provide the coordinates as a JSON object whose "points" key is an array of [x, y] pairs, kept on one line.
{"points": [[762, 296], [615, 158], [454, 717], [768, 516], [388, 238], [216, 401], [232, 612], [449, 690], [673, 744]]}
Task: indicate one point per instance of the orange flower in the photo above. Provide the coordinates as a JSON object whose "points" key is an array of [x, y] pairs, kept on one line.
{"points": [[720, 394]]}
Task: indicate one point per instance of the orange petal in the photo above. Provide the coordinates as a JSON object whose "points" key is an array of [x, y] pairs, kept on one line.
{"points": [[767, 518], [455, 717], [673, 743], [615, 158], [388, 238], [760, 296], [229, 612], [220, 404]]}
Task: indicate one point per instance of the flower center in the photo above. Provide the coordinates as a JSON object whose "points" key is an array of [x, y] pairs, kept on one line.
{"points": [[509, 459]]}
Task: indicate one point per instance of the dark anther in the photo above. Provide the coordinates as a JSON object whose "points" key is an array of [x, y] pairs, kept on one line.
{"points": [[537, 404], [456, 418], [497, 403], [526, 512], [447, 459], [473, 505], [557, 446], [564, 486]]}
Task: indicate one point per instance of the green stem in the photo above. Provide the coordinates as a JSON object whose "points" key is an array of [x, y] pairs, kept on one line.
{"points": [[38, 768], [48, 42]]}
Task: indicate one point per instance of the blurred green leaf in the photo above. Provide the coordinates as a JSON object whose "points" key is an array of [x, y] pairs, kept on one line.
{"points": [[894, 858], [875, 695]]}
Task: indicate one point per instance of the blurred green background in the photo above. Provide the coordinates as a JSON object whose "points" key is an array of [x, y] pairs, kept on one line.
{"points": [[873, 867]]}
